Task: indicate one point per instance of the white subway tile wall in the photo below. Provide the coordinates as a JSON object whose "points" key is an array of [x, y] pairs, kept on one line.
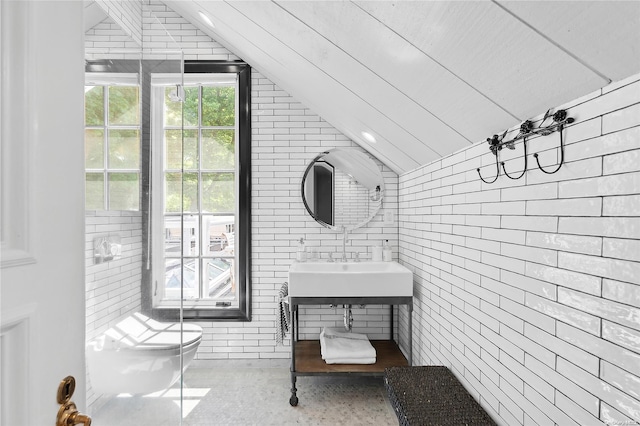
{"points": [[113, 287], [285, 137], [534, 299]]}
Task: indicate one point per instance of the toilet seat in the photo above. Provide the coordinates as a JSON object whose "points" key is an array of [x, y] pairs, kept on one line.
{"points": [[169, 339], [139, 332]]}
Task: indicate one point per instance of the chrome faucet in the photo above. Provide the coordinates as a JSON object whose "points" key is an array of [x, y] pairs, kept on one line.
{"points": [[344, 243]]}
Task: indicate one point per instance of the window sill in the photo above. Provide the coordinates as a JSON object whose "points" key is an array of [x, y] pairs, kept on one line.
{"points": [[217, 313]]}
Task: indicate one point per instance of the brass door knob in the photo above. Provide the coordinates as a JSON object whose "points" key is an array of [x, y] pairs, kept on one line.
{"points": [[68, 414]]}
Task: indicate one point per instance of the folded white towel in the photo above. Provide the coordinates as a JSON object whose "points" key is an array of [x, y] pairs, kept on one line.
{"points": [[353, 348], [350, 360], [333, 333]]}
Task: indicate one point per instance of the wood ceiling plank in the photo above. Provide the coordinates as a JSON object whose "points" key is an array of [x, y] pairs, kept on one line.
{"points": [[405, 67], [605, 35], [492, 51], [404, 60]]}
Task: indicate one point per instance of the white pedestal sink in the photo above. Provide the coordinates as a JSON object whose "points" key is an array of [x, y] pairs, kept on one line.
{"points": [[356, 279]]}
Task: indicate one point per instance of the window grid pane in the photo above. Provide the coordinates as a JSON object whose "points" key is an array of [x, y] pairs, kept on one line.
{"points": [[218, 149], [94, 148], [172, 111], [174, 155], [218, 106], [94, 191], [94, 106], [124, 149], [218, 278], [218, 192], [182, 279], [124, 106], [123, 191]]}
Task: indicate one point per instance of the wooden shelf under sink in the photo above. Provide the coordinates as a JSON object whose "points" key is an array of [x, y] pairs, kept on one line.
{"points": [[308, 359]]}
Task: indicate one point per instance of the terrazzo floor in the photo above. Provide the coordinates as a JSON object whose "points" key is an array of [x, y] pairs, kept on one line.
{"points": [[254, 394]]}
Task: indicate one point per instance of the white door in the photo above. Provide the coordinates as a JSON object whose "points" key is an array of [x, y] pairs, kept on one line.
{"points": [[42, 207]]}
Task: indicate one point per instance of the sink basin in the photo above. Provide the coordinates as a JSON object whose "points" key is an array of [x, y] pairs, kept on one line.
{"points": [[357, 279]]}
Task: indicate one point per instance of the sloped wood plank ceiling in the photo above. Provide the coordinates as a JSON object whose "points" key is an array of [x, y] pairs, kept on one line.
{"points": [[428, 78]]}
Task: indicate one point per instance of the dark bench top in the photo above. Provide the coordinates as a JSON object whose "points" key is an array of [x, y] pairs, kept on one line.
{"points": [[432, 396]]}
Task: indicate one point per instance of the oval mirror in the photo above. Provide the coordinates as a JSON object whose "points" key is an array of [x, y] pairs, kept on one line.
{"points": [[342, 188]]}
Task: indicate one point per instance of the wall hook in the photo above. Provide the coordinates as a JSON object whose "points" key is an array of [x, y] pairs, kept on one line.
{"points": [[559, 118], [561, 156], [495, 145], [527, 129], [497, 173], [524, 142]]}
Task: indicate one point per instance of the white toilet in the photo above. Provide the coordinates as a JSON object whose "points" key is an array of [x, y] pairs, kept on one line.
{"points": [[140, 355]]}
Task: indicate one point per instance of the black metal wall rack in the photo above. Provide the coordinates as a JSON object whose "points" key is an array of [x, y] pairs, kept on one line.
{"points": [[527, 129]]}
